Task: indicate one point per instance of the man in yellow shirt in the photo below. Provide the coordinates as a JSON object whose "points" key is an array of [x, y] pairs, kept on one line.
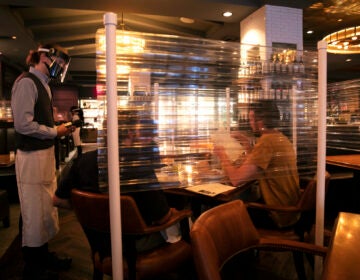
{"points": [[272, 162]]}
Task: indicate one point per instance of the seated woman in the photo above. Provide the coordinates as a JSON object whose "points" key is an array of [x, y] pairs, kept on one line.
{"points": [[152, 204]]}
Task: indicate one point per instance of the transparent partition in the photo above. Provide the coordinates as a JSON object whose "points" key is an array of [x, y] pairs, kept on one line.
{"points": [[343, 117], [180, 96]]}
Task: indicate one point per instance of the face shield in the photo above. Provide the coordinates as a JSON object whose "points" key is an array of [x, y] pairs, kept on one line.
{"points": [[59, 63]]}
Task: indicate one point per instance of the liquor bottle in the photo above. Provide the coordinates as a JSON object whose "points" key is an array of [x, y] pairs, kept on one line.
{"points": [[265, 66], [301, 66], [295, 65], [272, 91], [286, 90], [272, 64], [290, 64], [278, 91], [258, 65], [277, 64], [284, 68]]}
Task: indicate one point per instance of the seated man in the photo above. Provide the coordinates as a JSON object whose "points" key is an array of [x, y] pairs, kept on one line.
{"points": [[272, 162]]}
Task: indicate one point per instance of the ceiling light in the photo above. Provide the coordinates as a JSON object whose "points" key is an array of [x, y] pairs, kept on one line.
{"points": [[344, 41], [348, 60], [227, 14], [310, 32], [187, 20]]}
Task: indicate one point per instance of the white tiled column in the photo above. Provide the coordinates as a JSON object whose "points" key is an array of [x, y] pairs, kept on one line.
{"points": [[273, 24]]}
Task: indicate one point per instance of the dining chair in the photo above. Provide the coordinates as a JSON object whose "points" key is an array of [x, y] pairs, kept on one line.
{"points": [[302, 229], [92, 212], [225, 232]]}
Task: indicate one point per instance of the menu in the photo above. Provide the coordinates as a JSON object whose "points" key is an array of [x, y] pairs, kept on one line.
{"points": [[210, 189]]}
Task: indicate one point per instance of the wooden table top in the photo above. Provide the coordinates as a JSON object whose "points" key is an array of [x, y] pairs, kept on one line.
{"points": [[222, 197], [342, 261], [350, 161], [5, 160]]}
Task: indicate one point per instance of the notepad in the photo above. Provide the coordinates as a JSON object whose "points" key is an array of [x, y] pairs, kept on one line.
{"points": [[210, 189]]}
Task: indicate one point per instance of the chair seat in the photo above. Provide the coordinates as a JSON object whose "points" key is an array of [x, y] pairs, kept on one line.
{"points": [[163, 260], [154, 262], [288, 234]]}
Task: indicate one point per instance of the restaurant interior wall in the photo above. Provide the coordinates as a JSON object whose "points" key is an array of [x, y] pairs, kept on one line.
{"points": [[198, 90]]}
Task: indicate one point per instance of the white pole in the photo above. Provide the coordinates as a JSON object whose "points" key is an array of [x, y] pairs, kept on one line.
{"points": [[321, 153], [110, 21]]}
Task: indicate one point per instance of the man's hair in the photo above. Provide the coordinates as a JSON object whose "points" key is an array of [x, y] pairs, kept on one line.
{"points": [[33, 57], [267, 111]]}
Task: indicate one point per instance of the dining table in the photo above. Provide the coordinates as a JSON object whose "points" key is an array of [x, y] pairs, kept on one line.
{"points": [[207, 192], [6, 160], [351, 161], [350, 189], [343, 253]]}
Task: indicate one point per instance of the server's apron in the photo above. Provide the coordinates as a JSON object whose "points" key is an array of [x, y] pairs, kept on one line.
{"points": [[36, 182]]}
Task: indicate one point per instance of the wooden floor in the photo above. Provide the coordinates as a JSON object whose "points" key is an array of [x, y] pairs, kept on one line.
{"points": [[72, 242]]}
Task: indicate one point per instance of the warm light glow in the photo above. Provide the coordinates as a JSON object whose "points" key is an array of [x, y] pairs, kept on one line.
{"points": [[344, 41], [187, 20], [252, 37], [125, 43], [120, 69]]}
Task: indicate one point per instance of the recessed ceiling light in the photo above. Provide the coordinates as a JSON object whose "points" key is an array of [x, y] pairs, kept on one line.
{"points": [[340, 19], [310, 31], [348, 60], [187, 20], [227, 14]]}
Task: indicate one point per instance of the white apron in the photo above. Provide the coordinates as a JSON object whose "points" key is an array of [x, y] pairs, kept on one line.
{"points": [[36, 181]]}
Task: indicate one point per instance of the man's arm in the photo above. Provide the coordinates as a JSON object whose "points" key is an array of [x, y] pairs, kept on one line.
{"points": [[236, 174]]}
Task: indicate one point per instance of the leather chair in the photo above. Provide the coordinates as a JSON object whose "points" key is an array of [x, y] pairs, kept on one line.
{"points": [[302, 229], [306, 207], [92, 211], [226, 231]]}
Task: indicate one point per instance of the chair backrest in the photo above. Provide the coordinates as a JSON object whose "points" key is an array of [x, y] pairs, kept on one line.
{"points": [[219, 234], [92, 211], [307, 201]]}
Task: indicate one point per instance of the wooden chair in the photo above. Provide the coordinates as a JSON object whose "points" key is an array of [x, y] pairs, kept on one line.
{"points": [[305, 206], [220, 234], [301, 230], [92, 211]]}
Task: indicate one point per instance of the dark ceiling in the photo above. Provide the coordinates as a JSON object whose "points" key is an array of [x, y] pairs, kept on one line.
{"points": [[73, 24]]}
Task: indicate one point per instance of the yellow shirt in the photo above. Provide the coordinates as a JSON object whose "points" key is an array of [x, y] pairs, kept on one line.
{"points": [[279, 180]]}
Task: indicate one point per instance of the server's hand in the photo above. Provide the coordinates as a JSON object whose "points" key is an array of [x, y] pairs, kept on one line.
{"points": [[63, 130]]}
